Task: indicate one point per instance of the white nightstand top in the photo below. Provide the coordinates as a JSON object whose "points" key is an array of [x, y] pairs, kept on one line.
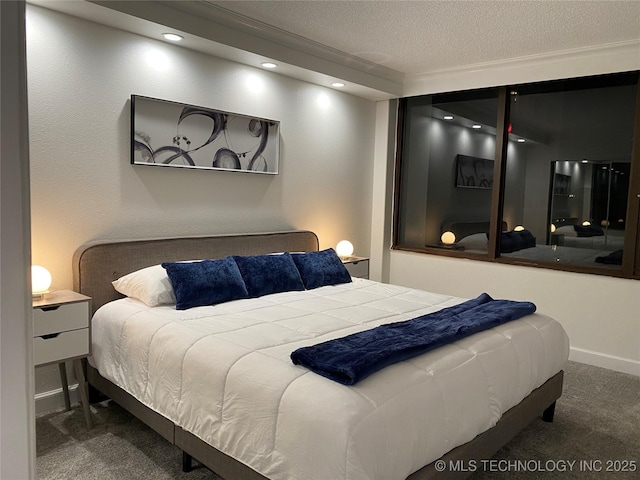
{"points": [[59, 297], [353, 259]]}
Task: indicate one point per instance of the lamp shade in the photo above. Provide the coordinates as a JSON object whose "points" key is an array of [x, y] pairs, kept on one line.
{"points": [[344, 248], [553, 228], [40, 280], [519, 228], [586, 223], [448, 238]]}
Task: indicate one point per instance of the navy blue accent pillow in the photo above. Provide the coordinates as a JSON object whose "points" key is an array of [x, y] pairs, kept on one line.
{"points": [[208, 282], [318, 269], [510, 242], [527, 238], [265, 274], [588, 230]]}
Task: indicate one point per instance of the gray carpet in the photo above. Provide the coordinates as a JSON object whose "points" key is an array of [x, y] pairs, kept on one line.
{"points": [[597, 422]]}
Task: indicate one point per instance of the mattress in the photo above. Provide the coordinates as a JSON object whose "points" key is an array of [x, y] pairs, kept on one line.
{"points": [[224, 374], [606, 243], [561, 254]]}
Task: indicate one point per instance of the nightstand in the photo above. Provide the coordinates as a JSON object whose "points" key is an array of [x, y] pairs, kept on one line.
{"points": [[60, 333], [357, 266], [556, 239]]}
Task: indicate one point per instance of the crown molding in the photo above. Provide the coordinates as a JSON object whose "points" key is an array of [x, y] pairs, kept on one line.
{"points": [[246, 40], [221, 15], [594, 60]]}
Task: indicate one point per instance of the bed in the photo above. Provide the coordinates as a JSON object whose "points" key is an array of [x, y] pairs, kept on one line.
{"points": [[252, 414], [601, 241], [567, 248]]}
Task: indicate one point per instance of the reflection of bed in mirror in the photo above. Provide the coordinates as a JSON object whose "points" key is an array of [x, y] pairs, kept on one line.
{"points": [[473, 237], [600, 239], [568, 255], [602, 250]]}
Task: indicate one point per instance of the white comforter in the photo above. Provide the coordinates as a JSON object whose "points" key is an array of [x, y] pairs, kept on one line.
{"points": [[224, 374]]}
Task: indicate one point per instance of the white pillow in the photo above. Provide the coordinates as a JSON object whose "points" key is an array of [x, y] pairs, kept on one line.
{"points": [[150, 285], [477, 241], [567, 231]]}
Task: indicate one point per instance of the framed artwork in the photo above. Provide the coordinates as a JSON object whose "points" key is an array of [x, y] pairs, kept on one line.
{"points": [[171, 134], [474, 172], [561, 184]]}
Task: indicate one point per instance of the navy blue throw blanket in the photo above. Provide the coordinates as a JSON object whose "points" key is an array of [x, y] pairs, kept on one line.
{"points": [[349, 359]]}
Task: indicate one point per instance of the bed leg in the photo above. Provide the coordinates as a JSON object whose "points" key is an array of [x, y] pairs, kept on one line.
{"points": [[547, 415], [186, 462]]}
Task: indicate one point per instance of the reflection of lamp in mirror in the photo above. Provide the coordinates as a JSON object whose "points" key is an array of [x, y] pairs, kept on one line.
{"points": [[604, 223], [586, 223], [40, 281], [553, 228], [344, 249], [448, 238], [519, 228]]}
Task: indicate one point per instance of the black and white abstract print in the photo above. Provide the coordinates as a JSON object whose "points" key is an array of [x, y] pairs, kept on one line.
{"points": [[173, 134]]}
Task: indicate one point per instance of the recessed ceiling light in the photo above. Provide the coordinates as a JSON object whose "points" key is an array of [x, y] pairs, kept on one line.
{"points": [[521, 140], [476, 126], [448, 117], [337, 84], [585, 161], [269, 65], [172, 37]]}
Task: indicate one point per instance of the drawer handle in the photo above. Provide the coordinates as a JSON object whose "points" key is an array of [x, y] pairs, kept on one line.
{"points": [[50, 309], [50, 336]]}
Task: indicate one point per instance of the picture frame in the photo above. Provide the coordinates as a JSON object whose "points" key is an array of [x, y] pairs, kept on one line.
{"points": [[561, 184], [172, 134], [474, 172]]}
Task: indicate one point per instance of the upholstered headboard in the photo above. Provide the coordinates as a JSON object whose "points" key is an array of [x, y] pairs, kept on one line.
{"points": [[561, 222], [97, 264], [464, 229]]}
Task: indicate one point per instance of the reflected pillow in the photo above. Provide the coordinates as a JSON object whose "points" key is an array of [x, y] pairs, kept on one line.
{"points": [[266, 274], [510, 242], [567, 231], [149, 285], [527, 238], [477, 241], [588, 230], [318, 269], [208, 282]]}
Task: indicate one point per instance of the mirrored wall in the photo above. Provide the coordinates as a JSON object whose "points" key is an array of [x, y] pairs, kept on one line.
{"points": [[578, 139], [536, 174]]}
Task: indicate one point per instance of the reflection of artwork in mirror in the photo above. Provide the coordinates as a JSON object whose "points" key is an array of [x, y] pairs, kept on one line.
{"points": [[561, 184], [172, 134], [474, 172]]}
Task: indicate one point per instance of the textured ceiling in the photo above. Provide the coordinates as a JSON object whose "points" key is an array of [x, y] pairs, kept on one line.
{"points": [[415, 37]]}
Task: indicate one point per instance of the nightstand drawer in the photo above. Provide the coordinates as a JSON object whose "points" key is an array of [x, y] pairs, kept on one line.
{"points": [[358, 269], [60, 318], [61, 347]]}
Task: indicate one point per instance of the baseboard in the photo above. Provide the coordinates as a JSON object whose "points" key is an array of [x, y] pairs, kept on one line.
{"points": [[53, 400], [611, 362]]}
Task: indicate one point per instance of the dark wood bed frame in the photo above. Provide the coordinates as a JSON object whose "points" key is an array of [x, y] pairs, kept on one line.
{"points": [[97, 264]]}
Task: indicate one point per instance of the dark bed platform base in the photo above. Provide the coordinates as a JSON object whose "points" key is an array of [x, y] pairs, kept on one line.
{"points": [[540, 402]]}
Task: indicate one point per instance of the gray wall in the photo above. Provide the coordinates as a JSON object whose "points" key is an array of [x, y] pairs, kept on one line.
{"points": [[81, 76]]}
